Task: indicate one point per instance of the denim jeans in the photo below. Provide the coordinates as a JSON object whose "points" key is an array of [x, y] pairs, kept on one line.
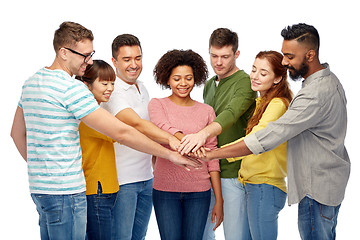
{"points": [[316, 221], [61, 216], [181, 215], [233, 195], [100, 215], [209, 233], [133, 210], [262, 204]]}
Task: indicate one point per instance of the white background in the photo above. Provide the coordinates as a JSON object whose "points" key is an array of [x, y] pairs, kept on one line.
{"points": [[27, 29]]}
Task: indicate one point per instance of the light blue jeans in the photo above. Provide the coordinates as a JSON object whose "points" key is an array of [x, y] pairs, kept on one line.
{"points": [[261, 206], [233, 195], [317, 221], [61, 216], [132, 210]]}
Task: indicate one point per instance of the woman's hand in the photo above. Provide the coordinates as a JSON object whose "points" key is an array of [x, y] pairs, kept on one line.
{"points": [[218, 214]]}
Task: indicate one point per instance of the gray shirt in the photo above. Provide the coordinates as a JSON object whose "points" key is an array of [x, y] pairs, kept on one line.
{"points": [[315, 127]]}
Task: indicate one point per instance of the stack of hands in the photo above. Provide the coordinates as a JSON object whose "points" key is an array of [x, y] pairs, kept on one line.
{"points": [[191, 146]]}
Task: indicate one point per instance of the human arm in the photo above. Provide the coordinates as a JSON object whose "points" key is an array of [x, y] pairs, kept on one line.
{"points": [[275, 109], [130, 117], [238, 149], [304, 113], [195, 141], [18, 132], [233, 100], [200, 151], [153, 161], [217, 211], [88, 132], [102, 121]]}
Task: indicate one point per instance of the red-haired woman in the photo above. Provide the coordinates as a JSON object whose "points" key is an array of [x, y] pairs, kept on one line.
{"points": [[263, 176]]}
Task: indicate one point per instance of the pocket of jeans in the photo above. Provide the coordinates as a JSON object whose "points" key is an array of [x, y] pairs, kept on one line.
{"points": [[328, 212], [279, 198], [51, 206]]}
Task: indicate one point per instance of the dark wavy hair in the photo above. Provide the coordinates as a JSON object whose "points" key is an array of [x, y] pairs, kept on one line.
{"points": [[303, 33], [123, 40], [280, 90], [99, 69], [175, 58]]}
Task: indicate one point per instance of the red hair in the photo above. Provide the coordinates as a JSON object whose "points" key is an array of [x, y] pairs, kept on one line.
{"points": [[280, 90]]}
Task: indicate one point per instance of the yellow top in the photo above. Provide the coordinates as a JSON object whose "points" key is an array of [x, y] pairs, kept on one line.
{"points": [[98, 161], [268, 167]]}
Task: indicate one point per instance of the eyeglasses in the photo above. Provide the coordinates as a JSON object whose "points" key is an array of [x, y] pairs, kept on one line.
{"points": [[86, 57]]}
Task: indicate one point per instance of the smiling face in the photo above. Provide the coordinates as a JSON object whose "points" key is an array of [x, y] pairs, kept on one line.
{"points": [[295, 59], [128, 63], [101, 89], [181, 82], [262, 76], [223, 60], [75, 64]]}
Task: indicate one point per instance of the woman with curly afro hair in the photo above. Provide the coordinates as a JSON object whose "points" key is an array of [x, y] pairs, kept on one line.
{"points": [[181, 198]]}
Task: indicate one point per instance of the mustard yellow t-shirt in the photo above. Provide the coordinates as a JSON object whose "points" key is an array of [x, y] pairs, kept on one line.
{"points": [[268, 167], [98, 161]]}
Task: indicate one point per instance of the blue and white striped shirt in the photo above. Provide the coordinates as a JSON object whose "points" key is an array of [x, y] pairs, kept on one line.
{"points": [[53, 104]]}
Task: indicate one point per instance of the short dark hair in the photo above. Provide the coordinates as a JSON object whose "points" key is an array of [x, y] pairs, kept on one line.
{"points": [[124, 40], [175, 58], [222, 37], [303, 33], [99, 69], [70, 33]]}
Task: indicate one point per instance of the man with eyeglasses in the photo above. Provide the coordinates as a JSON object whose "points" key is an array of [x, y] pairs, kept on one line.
{"points": [[45, 132], [86, 57]]}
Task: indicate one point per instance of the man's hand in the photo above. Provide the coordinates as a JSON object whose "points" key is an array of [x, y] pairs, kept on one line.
{"points": [[192, 142], [185, 162]]}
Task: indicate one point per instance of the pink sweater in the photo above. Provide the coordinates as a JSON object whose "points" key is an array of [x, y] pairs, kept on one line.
{"points": [[187, 119]]}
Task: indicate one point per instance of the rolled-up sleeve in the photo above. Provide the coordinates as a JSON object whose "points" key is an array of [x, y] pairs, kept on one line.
{"points": [[303, 114], [253, 144]]}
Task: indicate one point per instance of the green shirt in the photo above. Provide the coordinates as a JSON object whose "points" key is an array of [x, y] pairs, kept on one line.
{"points": [[233, 102]]}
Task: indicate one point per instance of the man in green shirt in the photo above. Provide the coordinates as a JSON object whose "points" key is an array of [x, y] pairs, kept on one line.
{"points": [[229, 93]]}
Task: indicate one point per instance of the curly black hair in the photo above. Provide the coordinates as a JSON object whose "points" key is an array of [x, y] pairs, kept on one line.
{"points": [[175, 58]]}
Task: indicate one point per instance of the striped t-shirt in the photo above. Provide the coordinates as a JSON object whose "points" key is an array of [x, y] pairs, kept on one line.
{"points": [[53, 104]]}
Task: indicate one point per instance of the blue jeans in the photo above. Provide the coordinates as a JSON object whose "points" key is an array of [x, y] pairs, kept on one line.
{"points": [[100, 215], [133, 210], [262, 204], [209, 233], [61, 216], [316, 221], [233, 195], [181, 215]]}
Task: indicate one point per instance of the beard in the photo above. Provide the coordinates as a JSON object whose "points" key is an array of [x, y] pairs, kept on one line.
{"points": [[298, 74]]}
